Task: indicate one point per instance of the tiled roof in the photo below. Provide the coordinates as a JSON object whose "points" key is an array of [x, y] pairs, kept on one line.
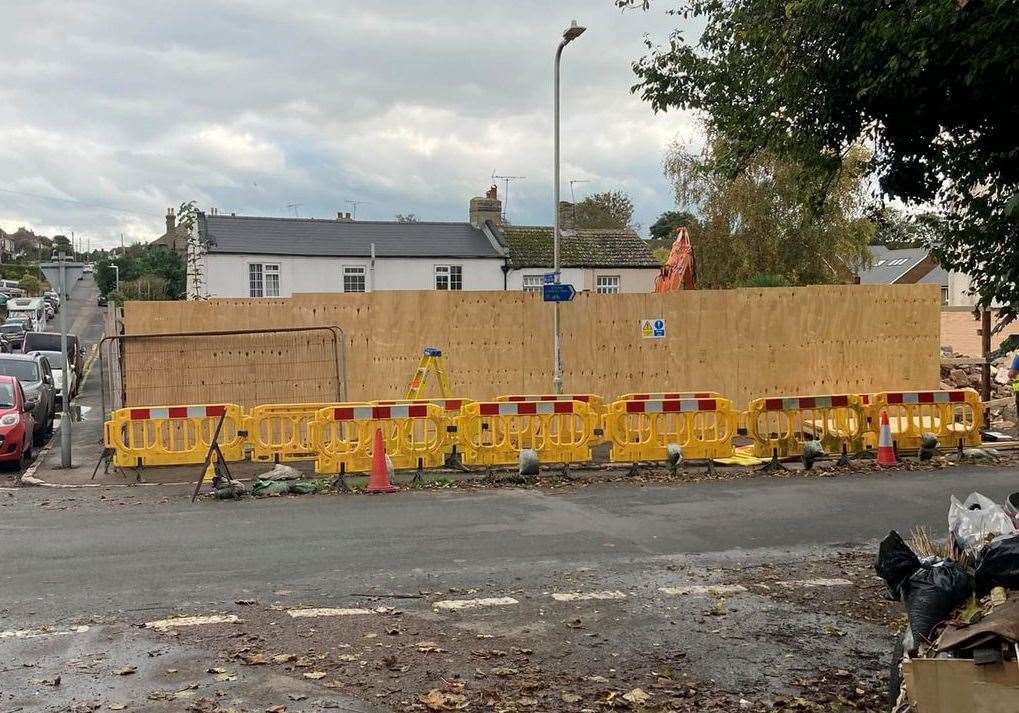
{"points": [[889, 265], [531, 246], [333, 238]]}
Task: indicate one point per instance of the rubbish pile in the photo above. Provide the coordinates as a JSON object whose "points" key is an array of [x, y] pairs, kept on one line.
{"points": [[960, 650], [970, 376], [281, 480]]}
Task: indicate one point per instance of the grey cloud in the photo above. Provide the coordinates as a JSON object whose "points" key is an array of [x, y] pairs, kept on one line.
{"points": [[249, 106]]}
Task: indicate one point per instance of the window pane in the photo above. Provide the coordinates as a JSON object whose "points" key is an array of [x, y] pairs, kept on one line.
{"points": [[442, 277], [272, 280], [354, 279], [255, 280], [607, 284], [533, 283], [456, 277]]}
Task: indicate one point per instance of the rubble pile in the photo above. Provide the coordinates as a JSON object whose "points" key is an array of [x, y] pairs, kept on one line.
{"points": [[970, 376]]}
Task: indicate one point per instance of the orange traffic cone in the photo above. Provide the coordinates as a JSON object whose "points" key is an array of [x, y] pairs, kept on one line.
{"points": [[378, 482], [885, 451]]}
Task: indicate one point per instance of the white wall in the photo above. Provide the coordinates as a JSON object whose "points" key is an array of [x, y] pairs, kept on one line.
{"points": [[227, 275], [585, 279]]}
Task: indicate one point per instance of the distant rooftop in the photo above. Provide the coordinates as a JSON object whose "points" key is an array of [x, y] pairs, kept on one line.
{"points": [[888, 266], [531, 246]]}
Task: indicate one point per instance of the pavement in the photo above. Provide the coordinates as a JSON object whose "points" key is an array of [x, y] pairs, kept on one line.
{"points": [[110, 559]]}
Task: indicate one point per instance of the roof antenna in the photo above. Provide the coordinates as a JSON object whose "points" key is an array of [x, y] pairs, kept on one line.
{"points": [[573, 196], [354, 205], [505, 193], [294, 207]]}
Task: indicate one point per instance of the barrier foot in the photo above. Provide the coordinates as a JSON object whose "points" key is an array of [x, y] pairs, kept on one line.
{"points": [[711, 468], [455, 461], [843, 460], [773, 465], [566, 473], [105, 457], [634, 470], [865, 455]]}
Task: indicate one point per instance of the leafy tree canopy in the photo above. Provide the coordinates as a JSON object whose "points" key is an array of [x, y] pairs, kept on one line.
{"points": [[610, 209], [761, 222], [665, 227], [931, 85]]}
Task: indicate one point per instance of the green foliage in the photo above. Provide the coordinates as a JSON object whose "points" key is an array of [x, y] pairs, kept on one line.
{"points": [[762, 221], [665, 227], [145, 263], [930, 84], [767, 281], [408, 218], [895, 229], [16, 271], [31, 284], [607, 210], [61, 243]]}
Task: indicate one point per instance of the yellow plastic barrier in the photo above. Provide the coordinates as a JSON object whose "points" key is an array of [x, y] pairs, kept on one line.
{"points": [[282, 432], [494, 432], [669, 395], [640, 429], [173, 435], [779, 426], [593, 400], [955, 417], [414, 434]]}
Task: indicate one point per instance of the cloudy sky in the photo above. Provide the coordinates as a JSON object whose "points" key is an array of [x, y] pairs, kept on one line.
{"points": [[112, 111]]}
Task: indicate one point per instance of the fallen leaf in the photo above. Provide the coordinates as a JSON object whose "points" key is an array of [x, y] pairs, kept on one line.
{"points": [[347, 657], [315, 675], [223, 677], [571, 697], [428, 647], [127, 670], [504, 671], [436, 700], [637, 695], [283, 658], [215, 669], [527, 701], [244, 602], [575, 624], [254, 659], [117, 707]]}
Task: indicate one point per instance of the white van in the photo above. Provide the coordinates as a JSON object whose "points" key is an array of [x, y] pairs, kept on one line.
{"points": [[32, 307]]}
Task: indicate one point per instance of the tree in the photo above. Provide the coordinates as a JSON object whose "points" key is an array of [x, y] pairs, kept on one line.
{"points": [[408, 218], [931, 84], [62, 244], [894, 228], [607, 210], [665, 227], [761, 222], [31, 285]]}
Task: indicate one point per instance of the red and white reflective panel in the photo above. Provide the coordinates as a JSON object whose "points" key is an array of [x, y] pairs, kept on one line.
{"points": [[672, 406], [926, 397], [524, 408], [165, 412], [549, 397], [379, 413], [800, 403], [667, 396], [445, 404]]}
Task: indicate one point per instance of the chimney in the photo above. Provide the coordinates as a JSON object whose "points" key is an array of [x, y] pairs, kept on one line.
{"points": [[171, 220], [487, 208], [344, 217]]}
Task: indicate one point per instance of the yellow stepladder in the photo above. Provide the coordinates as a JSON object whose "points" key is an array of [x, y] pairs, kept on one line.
{"points": [[431, 360]]}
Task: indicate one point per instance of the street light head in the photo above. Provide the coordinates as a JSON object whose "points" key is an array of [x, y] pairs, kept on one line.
{"points": [[573, 32]]}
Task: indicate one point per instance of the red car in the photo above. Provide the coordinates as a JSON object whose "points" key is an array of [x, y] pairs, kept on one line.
{"points": [[16, 424]]}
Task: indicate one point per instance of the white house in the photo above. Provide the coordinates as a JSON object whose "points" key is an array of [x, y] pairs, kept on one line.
{"points": [[277, 257]]}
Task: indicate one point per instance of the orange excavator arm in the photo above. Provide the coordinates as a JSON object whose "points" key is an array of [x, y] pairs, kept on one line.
{"points": [[678, 271]]}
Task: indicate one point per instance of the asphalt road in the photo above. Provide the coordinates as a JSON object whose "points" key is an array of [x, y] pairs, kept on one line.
{"points": [[74, 553]]}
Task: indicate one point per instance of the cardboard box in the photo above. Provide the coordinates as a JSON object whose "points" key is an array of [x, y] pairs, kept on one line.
{"points": [[960, 686]]}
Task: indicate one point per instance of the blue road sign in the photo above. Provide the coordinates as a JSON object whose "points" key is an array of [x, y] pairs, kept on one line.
{"points": [[549, 278], [558, 293]]}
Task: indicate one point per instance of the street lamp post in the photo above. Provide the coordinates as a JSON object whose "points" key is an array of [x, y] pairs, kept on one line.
{"points": [[116, 273], [571, 33]]}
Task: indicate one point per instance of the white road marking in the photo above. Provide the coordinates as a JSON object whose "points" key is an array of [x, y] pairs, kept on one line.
{"points": [[167, 624], [326, 611], [583, 596], [40, 633], [707, 590], [457, 604], [808, 583]]}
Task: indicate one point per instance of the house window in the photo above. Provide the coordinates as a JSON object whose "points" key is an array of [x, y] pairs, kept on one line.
{"points": [[353, 278], [533, 283], [607, 285], [944, 295], [263, 280], [449, 277]]}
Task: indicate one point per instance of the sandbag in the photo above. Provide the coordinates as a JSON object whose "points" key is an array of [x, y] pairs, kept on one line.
{"points": [[998, 566], [261, 488]]}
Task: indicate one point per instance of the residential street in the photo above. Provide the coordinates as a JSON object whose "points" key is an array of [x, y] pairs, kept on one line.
{"points": [[143, 554]]}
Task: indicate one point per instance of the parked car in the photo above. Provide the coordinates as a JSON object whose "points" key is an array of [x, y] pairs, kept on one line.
{"points": [[52, 299], [101, 301], [50, 342], [36, 379], [14, 331], [17, 425], [56, 361]]}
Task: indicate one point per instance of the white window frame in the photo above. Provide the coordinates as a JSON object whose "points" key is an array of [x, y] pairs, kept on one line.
{"points": [[265, 286], [534, 283], [447, 273], [606, 284], [354, 271], [945, 295]]}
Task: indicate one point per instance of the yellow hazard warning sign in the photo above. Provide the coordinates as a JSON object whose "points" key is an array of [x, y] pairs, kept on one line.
{"points": [[652, 328]]}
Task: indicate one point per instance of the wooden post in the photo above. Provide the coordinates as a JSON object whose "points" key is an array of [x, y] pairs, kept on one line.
{"points": [[985, 344]]}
